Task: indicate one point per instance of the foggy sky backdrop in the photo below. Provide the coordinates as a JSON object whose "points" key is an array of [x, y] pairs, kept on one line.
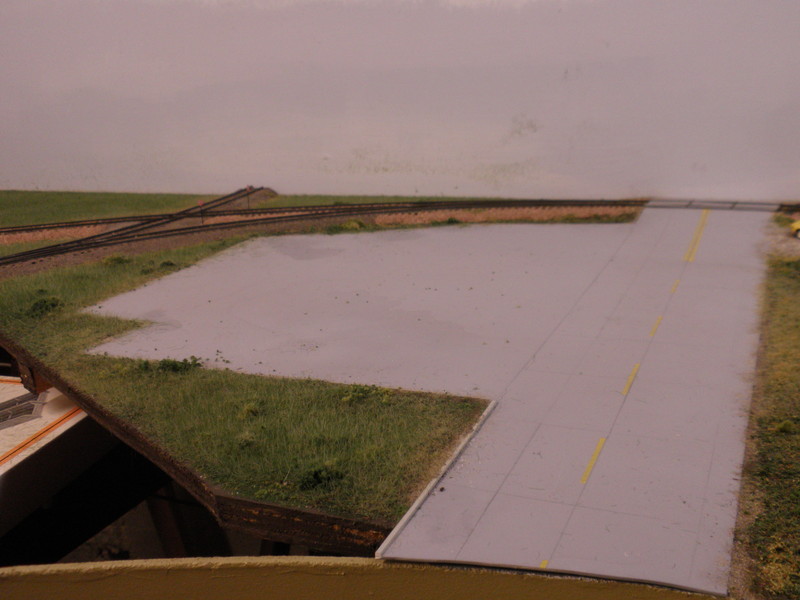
{"points": [[546, 98]]}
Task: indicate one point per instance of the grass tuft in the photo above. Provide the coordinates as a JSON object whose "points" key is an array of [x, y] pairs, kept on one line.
{"points": [[773, 537], [116, 259], [350, 226], [44, 306]]}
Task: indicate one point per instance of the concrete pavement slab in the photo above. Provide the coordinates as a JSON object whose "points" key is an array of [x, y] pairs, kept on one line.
{"points": [[633, 323], [587, 402], [659, 502], [560, 354], [530, 395], [722, 275], [690, 364], [628, 546], [487, 461], [399, 326], [670, 410], [621, 358], [651, 477], [552, 464], [446, 521], [613, 358], [516, 531]]}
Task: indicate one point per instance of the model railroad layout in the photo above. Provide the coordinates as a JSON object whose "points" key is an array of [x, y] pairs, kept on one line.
{"points": [[280, 524]]}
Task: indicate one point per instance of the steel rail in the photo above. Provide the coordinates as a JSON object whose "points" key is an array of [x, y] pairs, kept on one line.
{"points": [[206, 211], [74, 245], [128, 234], [144, 231], [73, 224], [56, 250]]}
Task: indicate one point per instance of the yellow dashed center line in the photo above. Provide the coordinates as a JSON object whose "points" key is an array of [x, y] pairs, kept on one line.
{"points": [[593, 460], [655, 327], [631, 377], [698, 233], [675, 286], [543, 564]]}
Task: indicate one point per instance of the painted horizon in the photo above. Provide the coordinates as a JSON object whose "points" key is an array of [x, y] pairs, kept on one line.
{"points": [[545, 98]]}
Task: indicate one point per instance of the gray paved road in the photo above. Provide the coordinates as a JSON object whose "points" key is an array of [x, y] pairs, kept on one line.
{"points": [[616, 450], [620, 357]]}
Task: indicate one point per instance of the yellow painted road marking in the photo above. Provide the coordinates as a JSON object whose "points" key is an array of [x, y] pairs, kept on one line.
{"points": [[631, 377], [655, 327], [593, 460], [698, 233], [543, 564], [675, 286]]}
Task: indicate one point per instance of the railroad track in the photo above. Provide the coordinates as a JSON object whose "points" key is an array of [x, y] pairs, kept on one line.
{"points": [[148, 227], [209, 211], [123, 233]]}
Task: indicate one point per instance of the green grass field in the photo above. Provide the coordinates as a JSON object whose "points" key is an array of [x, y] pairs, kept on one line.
{"points": [[323, 200], [348, 450], [773, 538], [29, 208]]}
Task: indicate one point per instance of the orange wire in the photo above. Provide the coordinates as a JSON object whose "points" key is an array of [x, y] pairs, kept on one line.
{"points": [[39, 435]]}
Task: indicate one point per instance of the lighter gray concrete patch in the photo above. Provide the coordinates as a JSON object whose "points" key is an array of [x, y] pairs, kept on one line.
{"points": [[550, 321]]}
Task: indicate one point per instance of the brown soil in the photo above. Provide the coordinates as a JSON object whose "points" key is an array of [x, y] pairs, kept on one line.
{"points": [[486, 215], [44, 235]]}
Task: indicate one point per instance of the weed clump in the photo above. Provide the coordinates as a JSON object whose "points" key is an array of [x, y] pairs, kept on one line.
{"points": [[790, 268], [44, 306], [249, 410], [325, 476], [347, 226], [115, 260], [151, 267], [785, 427], [170, 365], [449, 221], [246, 439], [359, 393]]}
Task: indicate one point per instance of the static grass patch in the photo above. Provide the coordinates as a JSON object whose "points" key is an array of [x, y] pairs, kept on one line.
{"points": [[782, 219], [30, 208], [348, 450], [773, 537], [325, 200]]}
